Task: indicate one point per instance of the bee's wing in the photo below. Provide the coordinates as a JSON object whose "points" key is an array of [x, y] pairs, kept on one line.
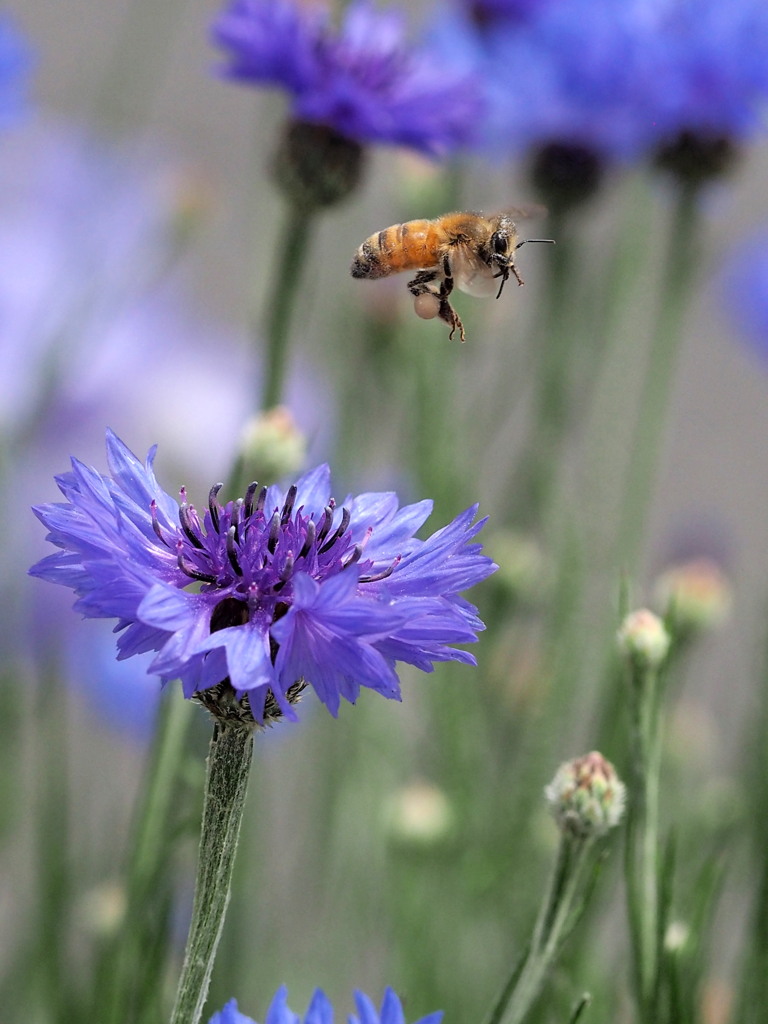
{"points": [[526, 212], [470, 273]]}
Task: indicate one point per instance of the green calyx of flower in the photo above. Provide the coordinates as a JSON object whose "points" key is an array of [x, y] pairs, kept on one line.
{"points": [[695, 159], [315, 166], [223, 703], [565, 175]]}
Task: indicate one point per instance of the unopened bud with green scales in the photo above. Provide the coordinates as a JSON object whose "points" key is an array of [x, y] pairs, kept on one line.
{"points": [[272, 445], [586, 796], [643, 638]]}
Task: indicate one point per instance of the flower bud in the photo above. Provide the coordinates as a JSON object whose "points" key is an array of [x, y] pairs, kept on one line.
{"points": [[419, 814], [102, 909], [565, 175], [586, 796], [315, 166], [643, 638], [694, 159], [696, 594], [272, 445], [676, 937]]}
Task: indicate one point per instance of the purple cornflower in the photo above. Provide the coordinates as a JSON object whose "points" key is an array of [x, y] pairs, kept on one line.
{"points": [[276, 587], [745, 290], [320, 1011], [620, 78], [361, 80], [15, 63]]}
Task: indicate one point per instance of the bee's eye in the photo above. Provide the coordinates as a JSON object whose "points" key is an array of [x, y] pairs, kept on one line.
{"points": [[499, 242]]}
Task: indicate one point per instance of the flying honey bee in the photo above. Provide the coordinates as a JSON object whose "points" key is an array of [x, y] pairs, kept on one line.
{"points": [[468, 250]]}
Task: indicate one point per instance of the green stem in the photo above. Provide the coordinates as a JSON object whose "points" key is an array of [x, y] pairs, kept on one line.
{"points": [[54, 897], [527, 980], [287, 278], [538, 464], [226, 784], [642, 849], [679, 272], [124, 970]]}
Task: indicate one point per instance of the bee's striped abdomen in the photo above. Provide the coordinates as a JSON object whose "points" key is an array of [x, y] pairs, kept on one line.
{"points": [[407, 246]]}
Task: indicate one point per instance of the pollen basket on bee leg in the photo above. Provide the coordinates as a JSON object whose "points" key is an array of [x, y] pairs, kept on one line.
{"points": [[426, 305]]}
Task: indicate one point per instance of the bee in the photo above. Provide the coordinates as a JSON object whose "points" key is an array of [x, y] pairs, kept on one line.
{"points": [[468, 250]]}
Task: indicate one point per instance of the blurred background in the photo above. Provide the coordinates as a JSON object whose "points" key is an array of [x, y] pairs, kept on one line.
{"points": [[401, 844]]}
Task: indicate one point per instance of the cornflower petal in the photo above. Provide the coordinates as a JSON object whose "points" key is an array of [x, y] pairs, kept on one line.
{"points": [[278, 1012]]}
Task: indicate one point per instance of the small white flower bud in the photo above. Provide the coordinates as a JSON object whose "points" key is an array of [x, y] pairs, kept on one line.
{"points": [[695, 593], [643, 637], [273, 447], [676, 936], [419, 814], [586, 796]]}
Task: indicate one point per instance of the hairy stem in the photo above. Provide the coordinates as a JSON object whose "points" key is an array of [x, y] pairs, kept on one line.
{"points": [[226, 784]]}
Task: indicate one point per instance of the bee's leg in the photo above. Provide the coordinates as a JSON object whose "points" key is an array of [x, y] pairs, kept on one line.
{"points": [[420, 284], [424, 283], [447, 286], [451, 317], [447, 312]]}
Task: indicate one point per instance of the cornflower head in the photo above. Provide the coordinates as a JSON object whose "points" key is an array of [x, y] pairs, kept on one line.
{"points": [[350, 85], [621, 80], [320, 1011], [15, 63], [250, 600]]}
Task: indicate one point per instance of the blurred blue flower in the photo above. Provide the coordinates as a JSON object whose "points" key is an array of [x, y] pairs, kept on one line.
{"points": [[619, 77], [745, 290], [362, 79], [287, 585], [114, 692], [320, 1011], [15, 64]]}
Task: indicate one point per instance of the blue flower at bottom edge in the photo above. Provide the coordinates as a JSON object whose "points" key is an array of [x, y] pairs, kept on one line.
{"points": [[320, 1011], [276, 587]]}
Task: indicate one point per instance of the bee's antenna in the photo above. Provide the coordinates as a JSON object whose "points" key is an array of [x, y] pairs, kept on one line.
{"points": [[551, 241]]}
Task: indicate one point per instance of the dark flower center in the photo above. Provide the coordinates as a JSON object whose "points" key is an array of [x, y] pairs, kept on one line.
{"points": [[250, 556]]}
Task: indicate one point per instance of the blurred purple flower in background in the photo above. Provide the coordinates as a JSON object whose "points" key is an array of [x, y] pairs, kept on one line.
{"points": [[320, 1011], [90, 296], [288, 586], [744, 286], [362, 80], [621, 78], [15, 65]]}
